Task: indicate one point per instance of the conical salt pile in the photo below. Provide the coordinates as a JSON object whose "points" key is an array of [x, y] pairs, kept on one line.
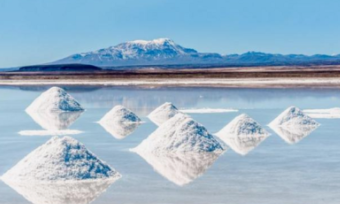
{"points": [[55, 100], [180, 134], [242, 125], [163, 113], [120, 122], [293, 116], [60, 159]]}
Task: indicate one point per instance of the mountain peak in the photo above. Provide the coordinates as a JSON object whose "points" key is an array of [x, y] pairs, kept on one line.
{"points": [[158, 41]]}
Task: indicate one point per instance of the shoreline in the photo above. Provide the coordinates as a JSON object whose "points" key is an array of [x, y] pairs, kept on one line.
{"points": [[188, 82]]}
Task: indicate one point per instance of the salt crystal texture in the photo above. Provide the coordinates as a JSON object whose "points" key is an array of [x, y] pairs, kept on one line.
{"points": [[291, 117], [60, 159], [163, 113], [61, 193], [179, 134], [120, 122], [55, 100]]}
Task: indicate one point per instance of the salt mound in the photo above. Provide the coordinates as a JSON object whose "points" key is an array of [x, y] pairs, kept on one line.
{"points": [[242, 125], [181, 168], [61, 193], [120, 122], [163, 113], [293, 116], [60, 159], [294, 134], [55, 100], [323, 113], [180, 134]]}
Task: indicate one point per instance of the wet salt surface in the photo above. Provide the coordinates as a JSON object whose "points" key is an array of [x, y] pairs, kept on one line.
{"points": [[275, 171]]}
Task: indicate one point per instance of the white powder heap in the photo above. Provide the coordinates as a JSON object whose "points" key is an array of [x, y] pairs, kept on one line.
{"points": [[177, 135], [291, 117], [243, 134], [60, 159], [181, 168], [55, 100], [120, 122], [242, 125], [61, 193], [163, 113]]}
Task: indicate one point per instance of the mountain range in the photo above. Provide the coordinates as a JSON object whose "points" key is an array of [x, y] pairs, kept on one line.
{"points": [[164, 51]]}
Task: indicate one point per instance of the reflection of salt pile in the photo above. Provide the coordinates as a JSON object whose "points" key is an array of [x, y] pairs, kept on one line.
{"points": [[54, 123], [181, 168], [293, 125], [243, 134], [293, 135], [180, 134], [323, 113], [60, 159], [61, 193], [163, 113], [54, 110], [55, 100], [120, 122]]}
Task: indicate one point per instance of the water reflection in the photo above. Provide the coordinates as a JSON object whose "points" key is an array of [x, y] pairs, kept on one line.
{"points": [[53, 123], [61, 193], [180, 168], [243, 144], [293, 134], [119, 129]]}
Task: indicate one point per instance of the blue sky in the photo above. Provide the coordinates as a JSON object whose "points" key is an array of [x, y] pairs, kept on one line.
{"points": [[39, 31]]}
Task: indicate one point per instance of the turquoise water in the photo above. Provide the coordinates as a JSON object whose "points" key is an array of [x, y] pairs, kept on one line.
{"points": [[273, 172]]}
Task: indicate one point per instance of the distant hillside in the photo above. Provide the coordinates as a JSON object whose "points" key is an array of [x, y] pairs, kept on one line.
{"points": [[166, 52], [61, 67]]}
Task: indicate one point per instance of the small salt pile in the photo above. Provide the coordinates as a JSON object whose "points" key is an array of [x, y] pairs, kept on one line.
{"points": [[291, 117], [120, 122], [55, 100], [292, 125], [60, 159], [243, 134], [163, 113], [180, 134]]}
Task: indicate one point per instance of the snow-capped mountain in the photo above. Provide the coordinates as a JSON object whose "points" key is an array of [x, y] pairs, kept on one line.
{"points": [[142, 52], [164, 51]]}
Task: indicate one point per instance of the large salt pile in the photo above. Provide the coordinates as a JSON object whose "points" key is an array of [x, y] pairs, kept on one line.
{"points": [[243, 134], [61, 193], [163, 113], [55, 100], [180, 134], [60, 159], [291, 117], [180, 168], [120, 122]]}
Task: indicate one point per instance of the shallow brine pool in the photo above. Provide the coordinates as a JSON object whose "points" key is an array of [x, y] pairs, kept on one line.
{"points": [[286, 167]]}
